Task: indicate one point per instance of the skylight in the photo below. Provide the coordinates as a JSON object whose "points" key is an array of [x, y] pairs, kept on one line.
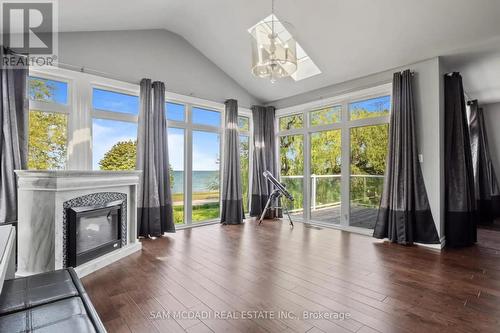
{"points": [[305, 66]]}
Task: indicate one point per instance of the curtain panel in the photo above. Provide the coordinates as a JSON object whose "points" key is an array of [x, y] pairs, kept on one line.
{"points": [[13, 136], [232, 193], [486, 186], [154, 199], [460, 199], [404, 216], [264, 158]]}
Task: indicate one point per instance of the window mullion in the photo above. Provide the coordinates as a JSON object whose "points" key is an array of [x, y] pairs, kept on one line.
{"points": [[188, 167]]}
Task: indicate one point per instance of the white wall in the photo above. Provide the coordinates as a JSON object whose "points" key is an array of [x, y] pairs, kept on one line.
{"points": [[492, 120], [157, 54], [429, 105]]}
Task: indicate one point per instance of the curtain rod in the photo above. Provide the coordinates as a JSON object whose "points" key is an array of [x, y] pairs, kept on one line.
{"points": [[9, 51], [87, 70]]}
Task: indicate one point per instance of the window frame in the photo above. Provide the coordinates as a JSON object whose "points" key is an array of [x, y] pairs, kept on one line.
{"points": [[345, 125], [80, 114], [248, 114], [53, 107]]}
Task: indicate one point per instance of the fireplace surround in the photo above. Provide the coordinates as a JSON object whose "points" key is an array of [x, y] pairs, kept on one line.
{"points": [[44, 200]]}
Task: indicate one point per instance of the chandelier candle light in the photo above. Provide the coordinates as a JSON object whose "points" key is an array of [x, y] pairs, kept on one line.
{"points": [[272, 57]]}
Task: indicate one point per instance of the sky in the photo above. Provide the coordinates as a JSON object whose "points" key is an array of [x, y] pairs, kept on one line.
{"points": [[117, 102], [59, 92], [373, 105], [106, 133]]}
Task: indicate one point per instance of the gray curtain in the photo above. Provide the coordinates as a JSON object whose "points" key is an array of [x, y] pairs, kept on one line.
{"points": [[460, 200], [404, 216], [486, 186], [13, 134], [264, 158], [154, 199], [232, 197]]}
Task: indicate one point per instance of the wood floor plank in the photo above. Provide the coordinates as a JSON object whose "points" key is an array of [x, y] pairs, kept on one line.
{"points": [[239, 270]]}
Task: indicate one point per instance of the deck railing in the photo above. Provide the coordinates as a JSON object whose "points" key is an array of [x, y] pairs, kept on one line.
{"points": [[360, 199]]}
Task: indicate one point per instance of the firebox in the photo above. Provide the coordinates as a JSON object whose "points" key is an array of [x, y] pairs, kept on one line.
{"points": [[92, 231]]}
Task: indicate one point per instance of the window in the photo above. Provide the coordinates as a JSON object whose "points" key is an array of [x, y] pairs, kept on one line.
{"points": [[292, 168], [176, 161], [325, 116], [244, 127], [48, 124], [206, 117], [326, 179], [47, 146], [175, 111], [370, 108], [114, 130], [45, 90], [245, 168], [368, 157], [291, 122], [205, 176], [244, 123], [84, 122], [113, 144], [332, 156], [115, 102]]}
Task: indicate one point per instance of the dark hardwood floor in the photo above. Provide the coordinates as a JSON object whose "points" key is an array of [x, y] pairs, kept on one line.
{"points": [[210, 272]]}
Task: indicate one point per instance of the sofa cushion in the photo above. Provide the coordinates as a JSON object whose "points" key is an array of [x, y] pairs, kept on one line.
{"points": [[67, 315], [23, 293]]}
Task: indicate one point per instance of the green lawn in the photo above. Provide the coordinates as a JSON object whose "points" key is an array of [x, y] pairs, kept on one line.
{"points": [[178, 197], [203, 212]]}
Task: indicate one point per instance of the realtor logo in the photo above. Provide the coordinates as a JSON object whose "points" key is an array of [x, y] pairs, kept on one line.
{"points": [[30, 28]]}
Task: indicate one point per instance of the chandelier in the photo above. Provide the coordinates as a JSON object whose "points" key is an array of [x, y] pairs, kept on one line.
{"points": [[272, 57]]}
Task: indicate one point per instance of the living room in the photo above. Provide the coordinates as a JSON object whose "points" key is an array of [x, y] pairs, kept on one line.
{"points": [[263, 166]]}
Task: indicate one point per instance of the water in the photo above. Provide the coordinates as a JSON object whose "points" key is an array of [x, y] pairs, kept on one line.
{"points": [[201, 180]]}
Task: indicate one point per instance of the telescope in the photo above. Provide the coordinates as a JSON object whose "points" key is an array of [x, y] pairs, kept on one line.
{"points": [[278, 192]]}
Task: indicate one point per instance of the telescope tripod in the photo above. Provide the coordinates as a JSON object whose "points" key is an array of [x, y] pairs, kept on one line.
{"points": [[274, 197]]}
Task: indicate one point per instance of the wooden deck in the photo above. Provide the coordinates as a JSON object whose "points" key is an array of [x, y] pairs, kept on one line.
{"points": [[361, 217], [238, 269]]}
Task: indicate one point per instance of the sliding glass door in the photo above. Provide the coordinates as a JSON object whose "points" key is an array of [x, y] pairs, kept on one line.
{"points": [[292, 169], [332, 159], [368, 155], [326, 178]]}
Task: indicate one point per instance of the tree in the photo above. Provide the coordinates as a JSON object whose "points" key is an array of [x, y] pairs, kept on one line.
{"points": [[244, 165], [47, 140], [40, 90], [122, 157]]}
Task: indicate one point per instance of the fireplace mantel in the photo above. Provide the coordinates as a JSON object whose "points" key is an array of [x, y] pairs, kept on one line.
{"points": [[64, 180], [41, 196]]}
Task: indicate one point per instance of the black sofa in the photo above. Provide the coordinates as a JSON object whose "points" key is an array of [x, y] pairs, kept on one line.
{"points": [[48, 302]]}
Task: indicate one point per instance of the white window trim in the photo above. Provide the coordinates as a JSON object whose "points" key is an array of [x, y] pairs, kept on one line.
{"points": [[80, 114], [345, 125]]}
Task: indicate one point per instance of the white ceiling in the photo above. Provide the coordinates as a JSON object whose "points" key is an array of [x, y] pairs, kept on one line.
{"points": [[345, 38]]}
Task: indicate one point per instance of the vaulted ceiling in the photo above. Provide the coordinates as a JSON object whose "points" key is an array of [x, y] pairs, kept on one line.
{"points": [[345, 38]]}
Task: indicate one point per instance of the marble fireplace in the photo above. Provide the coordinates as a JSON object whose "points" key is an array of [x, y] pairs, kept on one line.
{"points": [[46, 202]]}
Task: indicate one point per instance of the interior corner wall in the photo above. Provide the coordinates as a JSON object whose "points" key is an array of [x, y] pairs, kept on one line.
{"points": [[157, 54], [492, 120], [429, 106]]}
